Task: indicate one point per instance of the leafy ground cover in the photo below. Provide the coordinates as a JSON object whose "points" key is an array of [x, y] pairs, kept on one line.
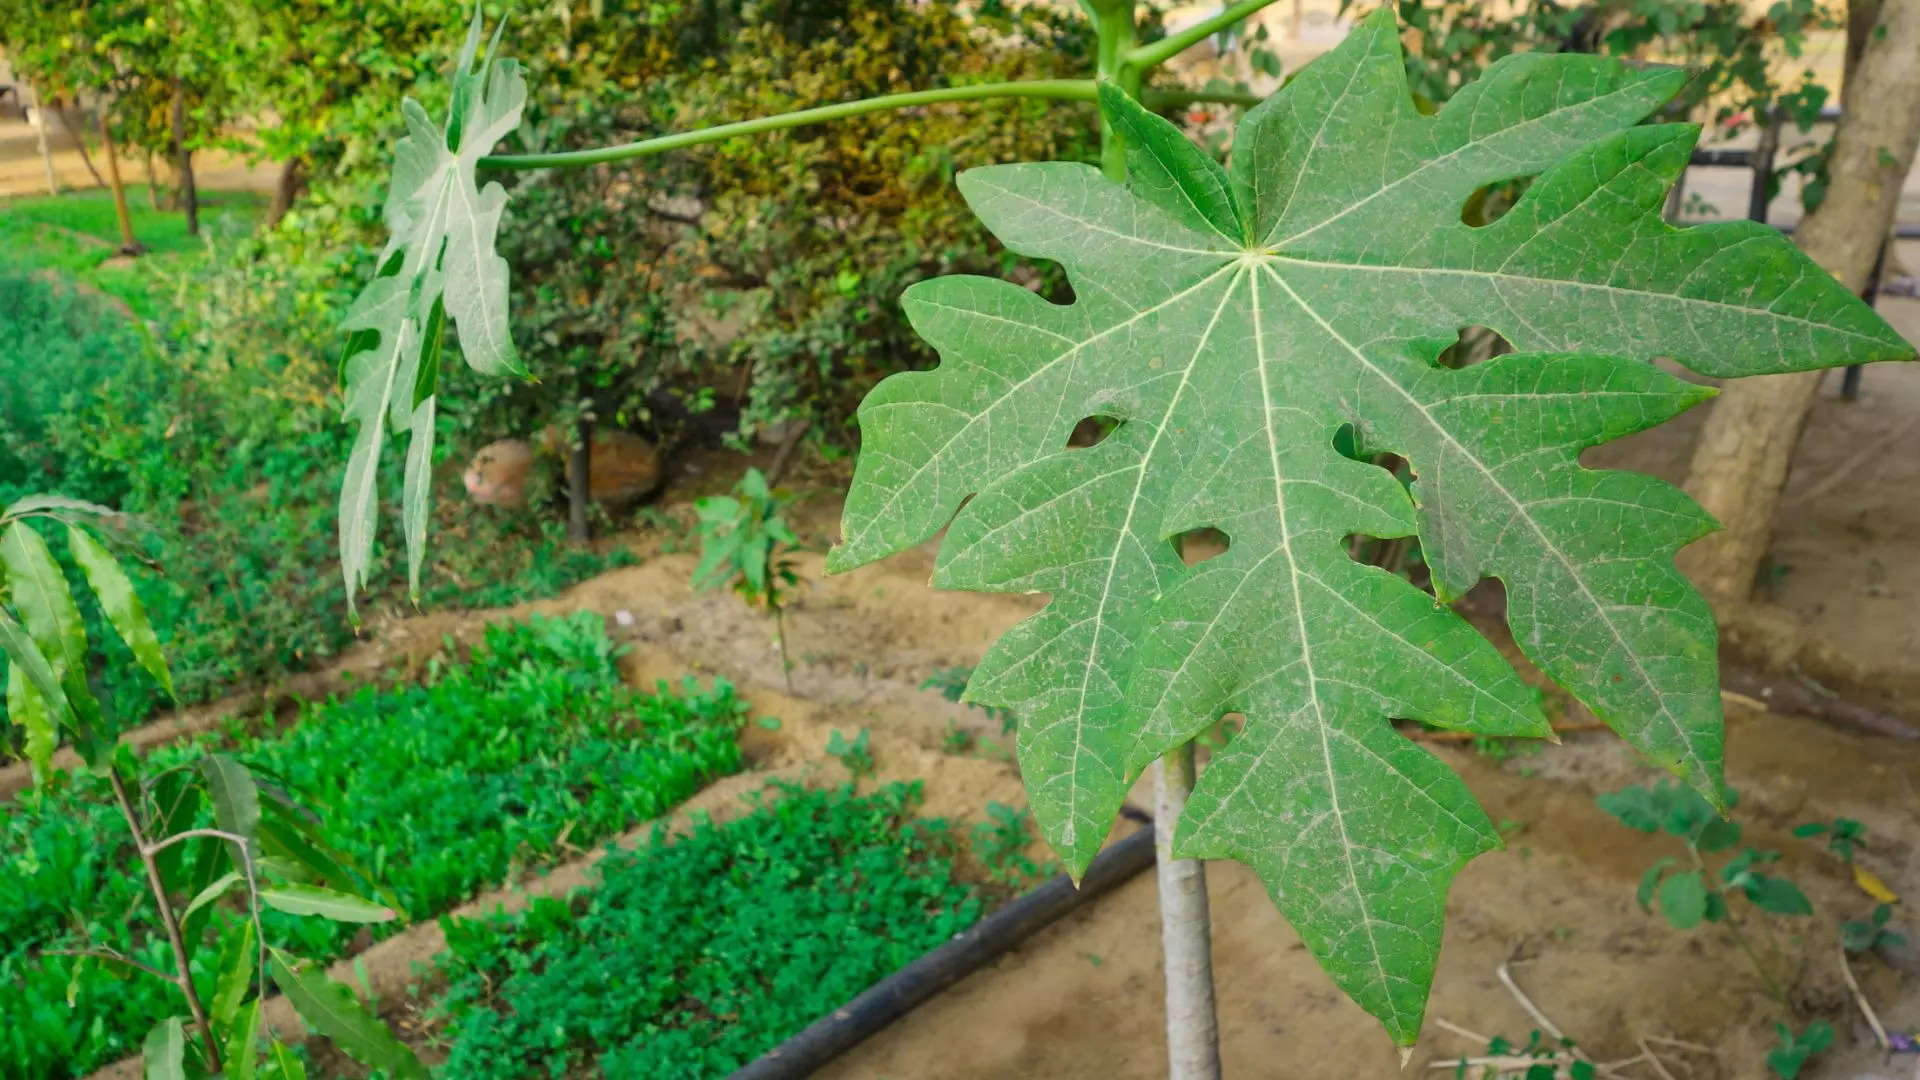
{"points": [[232, 486], [728, 940], [526, 751], [75, 233]]}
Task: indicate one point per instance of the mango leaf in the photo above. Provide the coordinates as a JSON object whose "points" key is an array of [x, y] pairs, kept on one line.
{"points": [[27, 701], [163, 1055], [1234, 323], [54, 504], [298, 899], [239, 960], [39, 593], [330, 1009], [235, 799], [439, 264], [121, 604], [243, 1044]]}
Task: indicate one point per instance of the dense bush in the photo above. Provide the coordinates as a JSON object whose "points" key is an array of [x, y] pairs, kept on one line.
{"points": [[694, 956], [526, 752]]}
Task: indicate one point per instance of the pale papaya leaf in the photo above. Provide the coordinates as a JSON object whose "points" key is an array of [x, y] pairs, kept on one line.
{"points": [[1237, 323], [121, 604], [439, 264], [330, 1009]]}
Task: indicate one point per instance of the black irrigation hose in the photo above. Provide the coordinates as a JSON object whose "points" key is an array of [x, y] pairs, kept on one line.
{"points": [[897, 994]]}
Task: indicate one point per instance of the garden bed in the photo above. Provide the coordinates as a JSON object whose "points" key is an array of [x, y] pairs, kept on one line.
{"points": [[528, 751]]}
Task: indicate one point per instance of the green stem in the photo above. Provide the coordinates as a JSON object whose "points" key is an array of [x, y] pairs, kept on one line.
{"points": [[1760, 968], [1173, 99], [1159, 52], [1059, 89], [1116, 33]]}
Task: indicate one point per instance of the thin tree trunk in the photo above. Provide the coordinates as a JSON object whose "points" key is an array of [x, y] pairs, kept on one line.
{"points": [[183, 159], [580, 481], [128, 245], [40, 133], [1741, 462], [285, 191], [1186, 937], [182, 959], [79, 144]]}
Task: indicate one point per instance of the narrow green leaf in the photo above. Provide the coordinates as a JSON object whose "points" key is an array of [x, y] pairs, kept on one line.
{"points": [[1683, 900], [331, 1010], [239, 962], [35, 699], [286, 1062], [55, 503], [40, 594], [1649, 880], [27, 707], [210, 861], [164, 1054], [298, 899], [176, 800], [121, 604], [243, 1044], [210, 893], [236, 801]]}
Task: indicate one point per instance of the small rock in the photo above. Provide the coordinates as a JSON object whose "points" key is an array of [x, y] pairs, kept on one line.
{"points": [[623, 618]]}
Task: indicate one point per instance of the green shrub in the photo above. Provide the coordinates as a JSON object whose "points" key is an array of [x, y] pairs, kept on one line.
{"points": [[525, 752], [694, 956]]}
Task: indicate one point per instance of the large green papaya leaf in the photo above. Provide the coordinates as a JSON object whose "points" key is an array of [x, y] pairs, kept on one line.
{"points": [[439, 264], [1234, 322]]}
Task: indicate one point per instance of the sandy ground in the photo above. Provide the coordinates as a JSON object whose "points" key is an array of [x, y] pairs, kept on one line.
{"points": [[22, 173]]}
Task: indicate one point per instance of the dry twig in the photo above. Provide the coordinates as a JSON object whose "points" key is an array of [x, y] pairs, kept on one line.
{"points": [[1860, 999]]}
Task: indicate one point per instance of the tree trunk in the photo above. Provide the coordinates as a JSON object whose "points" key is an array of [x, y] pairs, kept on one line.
{"points": [[1741, 462], [285, 191], [1186, 937], [183, 159], [40, 133], [79, 144], [580, 481], [128, 245]]}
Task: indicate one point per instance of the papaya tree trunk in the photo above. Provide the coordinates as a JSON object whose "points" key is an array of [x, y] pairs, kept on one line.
{"points": [[580, 481], [183, 160], [40, 134], [1740, 464], [1186, 933], [128, 244]]}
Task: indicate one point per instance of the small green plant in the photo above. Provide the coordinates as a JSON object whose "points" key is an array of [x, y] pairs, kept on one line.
{"points": [[1867, 935], [1694, 893], [952, 684], [853, 753], [957, 740], [744, 544], [1541, 1058], [1001, 844], [1787, 1059], [1843, 835]]}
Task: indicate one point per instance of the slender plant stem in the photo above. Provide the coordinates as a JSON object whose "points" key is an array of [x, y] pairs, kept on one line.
{"points": [[1155, 53], [98, 953], [1760, 968], [1060, 89], [780, 629], [1173, 99], [1186, 937], [181, 960]]}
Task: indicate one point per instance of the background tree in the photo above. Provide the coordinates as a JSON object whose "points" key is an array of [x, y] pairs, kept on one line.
{"points": [[1740, 465]]}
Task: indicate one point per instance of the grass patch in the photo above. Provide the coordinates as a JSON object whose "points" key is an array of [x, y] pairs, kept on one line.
{"points": [[524, 754], [693, 957]]}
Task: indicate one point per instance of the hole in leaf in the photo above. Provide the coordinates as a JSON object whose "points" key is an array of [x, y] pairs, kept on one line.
{"points": [[1092, 431], [1489, 202], [1474, 345], [1399, 556], [1196, 546]]}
